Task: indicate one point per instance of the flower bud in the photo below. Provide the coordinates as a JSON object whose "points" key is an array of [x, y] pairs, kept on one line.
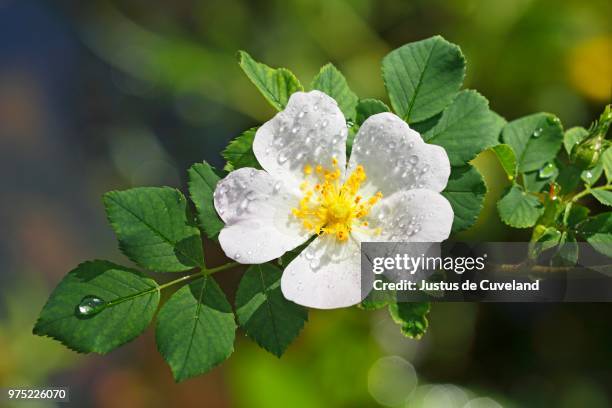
{"points": [[586, 154]]}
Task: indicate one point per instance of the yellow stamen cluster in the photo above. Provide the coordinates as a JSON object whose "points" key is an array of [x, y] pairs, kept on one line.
{"points": [[329, 207]]}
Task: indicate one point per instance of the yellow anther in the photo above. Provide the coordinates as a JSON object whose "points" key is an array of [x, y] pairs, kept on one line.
{"points": [[332, 208]]}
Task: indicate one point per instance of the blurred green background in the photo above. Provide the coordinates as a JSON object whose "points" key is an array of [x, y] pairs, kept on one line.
{"points": [[100, 95]]}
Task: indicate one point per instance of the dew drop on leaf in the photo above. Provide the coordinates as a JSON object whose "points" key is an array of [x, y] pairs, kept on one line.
{"points": [[90, 306], [537, 133], [547, 171]]}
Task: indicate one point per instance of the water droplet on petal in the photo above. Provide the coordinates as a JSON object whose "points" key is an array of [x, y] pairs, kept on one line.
{"points": [[315, 263], [277, 187], [251, 195], [244, 205], [90, 306], [324, 123], [236, 256], [282, 158], [413, 159], [295, 130]]}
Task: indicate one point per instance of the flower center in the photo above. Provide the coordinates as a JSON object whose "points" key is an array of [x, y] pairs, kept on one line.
{"points": [[329, 207]]}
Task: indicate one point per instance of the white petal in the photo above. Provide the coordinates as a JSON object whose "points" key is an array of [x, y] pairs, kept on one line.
{"points": [[396, 158], [326, 275], [256, 209], [311, 130], [411, 216]]}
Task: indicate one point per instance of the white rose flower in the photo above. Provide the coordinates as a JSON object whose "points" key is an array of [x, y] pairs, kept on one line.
{"points": [[388, 192]]}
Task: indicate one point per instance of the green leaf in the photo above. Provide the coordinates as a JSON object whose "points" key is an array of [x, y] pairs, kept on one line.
{"points": [[577, 213], [239, 152], [499, 120], [202, 183], [264, 313], [535, 139], [276, 85], [591, 176], [569, 176], [465, 128], [412, 317], [606, 160], [466, 192], [519, 209], [572, 137], [195, 329], [568, 251], [98, 307], [597, 231], [427, 124], [603, 196], [506, 158], [540, 180], [377, 299], [153, 228], [368, 107], [331, 81], [423, 77]]}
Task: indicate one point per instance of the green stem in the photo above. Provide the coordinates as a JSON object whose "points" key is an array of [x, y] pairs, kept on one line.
{"points": [[588, 191], [210, 271], [203, 272], [179, 280]]}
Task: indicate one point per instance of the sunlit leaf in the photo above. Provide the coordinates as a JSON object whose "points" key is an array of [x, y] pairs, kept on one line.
{"points": [[264, 313], [518, 208], [331, 81], [195, 329], [465, 191], [276, 85], [98, 307], [535, 139], [423, 77], [154, 229]]}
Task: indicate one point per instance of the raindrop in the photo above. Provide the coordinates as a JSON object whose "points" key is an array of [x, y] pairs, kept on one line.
{"points": [[413, 159], [410, 145], [316, 107], [334, 140], [350, 123], [90, 306], [295, 130], [244, 204], [315, 263], [324, 123], [251, 195], [309, 253], [588, 175], [537, 133], [277, 187], [282, 158], [302, 114], [236, 256], [547, 171], [299, 156], [391, 145]]}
